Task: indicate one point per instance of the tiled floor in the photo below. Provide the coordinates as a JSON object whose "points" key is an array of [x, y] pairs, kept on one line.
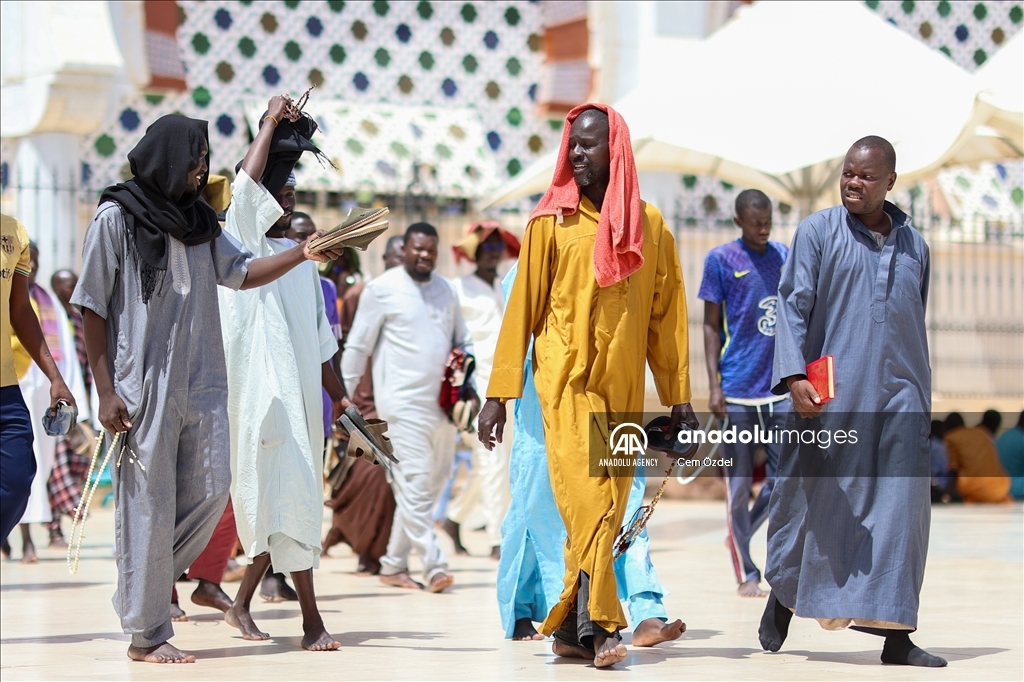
{"points": [[55, 626]]}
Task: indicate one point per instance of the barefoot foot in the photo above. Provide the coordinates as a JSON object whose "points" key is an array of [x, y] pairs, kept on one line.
{"points": [[452, 529], [317, 639], [525, 632], [275, 589], [441, 582], [566, 650], [161, 653], [211, 595], [57, 540], [367, 565], [401, 580], [178, 614], [238, 617], [608, 651], [28, 555], [654, 631], [750, 588], [233, 572]]}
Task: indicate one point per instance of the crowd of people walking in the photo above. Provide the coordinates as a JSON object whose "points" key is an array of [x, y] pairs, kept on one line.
{"points": [[205, 331]]}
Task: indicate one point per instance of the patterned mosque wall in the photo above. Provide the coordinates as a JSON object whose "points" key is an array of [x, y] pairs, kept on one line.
{"points": [[969, 33], [479, 55], [484, 56]]}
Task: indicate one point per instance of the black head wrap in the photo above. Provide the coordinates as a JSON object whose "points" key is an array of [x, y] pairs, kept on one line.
{"points": [[155, 202], [290, 140]]}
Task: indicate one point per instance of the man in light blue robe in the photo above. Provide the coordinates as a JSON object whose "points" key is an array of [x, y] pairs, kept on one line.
{"points": [[849, 516], [533, 536]]}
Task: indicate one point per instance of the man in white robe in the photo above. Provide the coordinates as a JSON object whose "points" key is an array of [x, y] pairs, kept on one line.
{"points": [[409, 321], [278, 345]]}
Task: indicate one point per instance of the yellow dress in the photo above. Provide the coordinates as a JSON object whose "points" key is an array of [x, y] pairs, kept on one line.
{"points": [[590, 344]]}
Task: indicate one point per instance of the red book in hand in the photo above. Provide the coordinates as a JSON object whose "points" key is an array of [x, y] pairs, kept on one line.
{"points": [[822, 376]]}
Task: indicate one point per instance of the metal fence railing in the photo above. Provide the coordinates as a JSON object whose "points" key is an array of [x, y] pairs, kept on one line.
{"points": [[975, 310], [976, 303]]}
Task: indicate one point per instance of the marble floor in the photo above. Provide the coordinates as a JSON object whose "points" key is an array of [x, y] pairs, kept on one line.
{"points": [[54, 626]]}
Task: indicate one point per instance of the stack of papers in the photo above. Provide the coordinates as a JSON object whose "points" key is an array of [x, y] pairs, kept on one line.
{"points": [[361, 227]]}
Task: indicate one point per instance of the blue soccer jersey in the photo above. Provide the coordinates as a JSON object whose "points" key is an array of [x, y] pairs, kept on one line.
{"points": [[746, 285]]}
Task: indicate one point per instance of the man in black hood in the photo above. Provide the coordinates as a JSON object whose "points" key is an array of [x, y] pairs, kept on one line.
{"points": [[154, 255], [278, 345]]}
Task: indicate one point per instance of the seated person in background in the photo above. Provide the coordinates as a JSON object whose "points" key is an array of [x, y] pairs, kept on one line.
{"points": [[1011, 455], [940, 463], [972, 455]]}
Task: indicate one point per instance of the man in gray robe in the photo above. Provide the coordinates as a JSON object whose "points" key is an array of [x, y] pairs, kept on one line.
{"points": [[153, 257], [850, 514]]}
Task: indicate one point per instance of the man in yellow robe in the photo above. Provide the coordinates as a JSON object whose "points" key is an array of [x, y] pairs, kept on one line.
{"points": [[600, 290]]}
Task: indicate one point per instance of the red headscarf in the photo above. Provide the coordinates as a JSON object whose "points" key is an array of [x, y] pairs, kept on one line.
{"points": [[618, 248], [477, 234]]}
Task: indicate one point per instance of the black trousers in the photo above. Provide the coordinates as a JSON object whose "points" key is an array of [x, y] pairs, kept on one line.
{"points": [[17, 459], [577, 629]]}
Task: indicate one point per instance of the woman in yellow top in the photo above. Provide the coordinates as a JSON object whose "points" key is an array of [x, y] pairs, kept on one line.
{"points": [[17, 461]]}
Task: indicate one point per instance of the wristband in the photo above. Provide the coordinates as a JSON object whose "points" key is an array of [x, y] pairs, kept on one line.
{"points": [[272, 119]]}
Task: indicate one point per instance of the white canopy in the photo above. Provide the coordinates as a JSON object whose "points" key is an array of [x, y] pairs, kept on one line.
{"points": [[775, 99], [1001, 82]]}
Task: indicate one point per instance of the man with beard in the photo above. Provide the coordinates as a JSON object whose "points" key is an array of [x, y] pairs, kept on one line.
{"points": [[154, 255], [409, 321], [848, 521], [278, 345], [532, 564], [599, 289]]}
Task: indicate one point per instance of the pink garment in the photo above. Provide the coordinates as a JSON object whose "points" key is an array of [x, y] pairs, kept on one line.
{"points": [[618, 248]]}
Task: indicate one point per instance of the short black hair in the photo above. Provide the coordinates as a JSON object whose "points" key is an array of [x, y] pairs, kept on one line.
{"points": [[395, 242], [878, 144], [296, 215], [751, 198], [954, 420], [991, 420], [421, 228]]}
